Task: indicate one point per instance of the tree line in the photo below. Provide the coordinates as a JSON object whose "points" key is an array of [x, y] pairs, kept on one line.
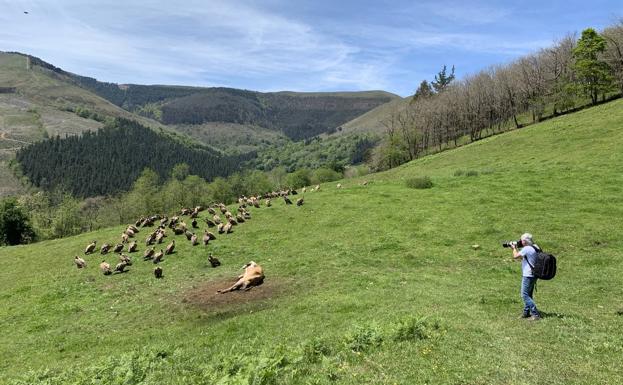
{"points": [[562, 78], [110, 160]]}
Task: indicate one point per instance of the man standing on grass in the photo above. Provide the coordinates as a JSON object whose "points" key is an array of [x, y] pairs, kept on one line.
{"points": [[527, 254]]}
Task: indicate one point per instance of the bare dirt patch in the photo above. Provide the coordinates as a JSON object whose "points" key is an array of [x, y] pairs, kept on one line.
{"points": [[205, 296]]}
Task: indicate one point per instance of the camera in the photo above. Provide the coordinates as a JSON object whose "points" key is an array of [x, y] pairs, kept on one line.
{"points": [[518, 243]]}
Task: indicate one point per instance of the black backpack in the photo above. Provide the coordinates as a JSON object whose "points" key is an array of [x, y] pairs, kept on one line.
{"points": [[544, 266]]}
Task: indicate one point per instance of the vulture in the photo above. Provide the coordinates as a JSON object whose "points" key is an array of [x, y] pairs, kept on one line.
{"points": [[149, 253], [120, 268], [214, 261], [220, 228], [105, 248], [210, 223], [207, 237], [194, 224], [158, 256], [132, 247], [170, 247], [118, 248], [211, 211], [90, 247], [130, 232], [287, 200], [227, 228], [80, 263], [158, 272], [159, 237], [178, 231], [232, 221], [193, 240], [239, 218], [124, 238], [188, 234], [151, 238], [216, 219], [268, 204], [299, 202], [125, 259], [105, 268]]}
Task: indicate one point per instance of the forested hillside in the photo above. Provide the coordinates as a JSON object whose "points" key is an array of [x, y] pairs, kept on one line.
{"points": [[110, 160]]}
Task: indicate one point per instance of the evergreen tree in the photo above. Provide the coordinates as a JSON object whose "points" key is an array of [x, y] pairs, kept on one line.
{"points": [[593, 74], [442, 80]]}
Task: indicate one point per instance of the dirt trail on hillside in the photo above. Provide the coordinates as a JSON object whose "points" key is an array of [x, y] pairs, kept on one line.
{"points": [[3, 136]]}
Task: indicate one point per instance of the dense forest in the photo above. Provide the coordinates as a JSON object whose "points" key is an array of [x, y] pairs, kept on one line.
{"points": [[111, 159], [297, 116]]}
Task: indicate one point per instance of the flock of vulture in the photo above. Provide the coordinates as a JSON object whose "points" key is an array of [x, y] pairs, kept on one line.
{"points": [[178, 226]]}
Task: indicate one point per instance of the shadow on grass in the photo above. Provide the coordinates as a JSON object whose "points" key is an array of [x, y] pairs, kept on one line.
{"points": [[545, 314]]}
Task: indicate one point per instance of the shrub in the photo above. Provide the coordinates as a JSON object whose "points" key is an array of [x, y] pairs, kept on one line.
{"points": [[459, 173], [363, 337], [421, 182], [416, 329]]}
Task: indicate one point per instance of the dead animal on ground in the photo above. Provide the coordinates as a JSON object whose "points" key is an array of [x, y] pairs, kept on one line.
{"points": [[90, 247], [214, 261], [158, 272], [149, 253], [80, 263], [132, 247], [105, 268], [158, 256], [253, 276], [170, 248], [118, 248]]}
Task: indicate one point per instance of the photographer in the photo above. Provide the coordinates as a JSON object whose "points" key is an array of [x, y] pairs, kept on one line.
{"points": [[527, 254]]}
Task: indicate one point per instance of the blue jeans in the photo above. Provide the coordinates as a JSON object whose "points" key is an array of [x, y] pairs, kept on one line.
{"points": [[527, 288]]}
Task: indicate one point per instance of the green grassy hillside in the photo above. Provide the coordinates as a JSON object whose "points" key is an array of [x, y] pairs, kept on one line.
{"points": [[374, 284], [372, 121]]}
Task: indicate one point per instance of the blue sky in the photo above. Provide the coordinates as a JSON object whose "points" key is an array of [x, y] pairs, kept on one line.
{"points": [[276, 45]]}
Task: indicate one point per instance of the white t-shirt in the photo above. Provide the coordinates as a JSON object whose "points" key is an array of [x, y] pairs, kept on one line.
{"points": [[529, 254]]}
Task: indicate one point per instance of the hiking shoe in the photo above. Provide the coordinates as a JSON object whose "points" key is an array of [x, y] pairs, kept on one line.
{"points": [[535, 317], [525, 314]]}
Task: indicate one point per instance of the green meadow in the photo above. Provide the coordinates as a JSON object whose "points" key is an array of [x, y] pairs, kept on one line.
{"points": [[368, 284]]}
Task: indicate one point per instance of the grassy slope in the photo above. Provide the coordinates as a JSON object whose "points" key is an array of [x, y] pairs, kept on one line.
{"points": [[366, 256], [232, 137], [372, 121]]}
